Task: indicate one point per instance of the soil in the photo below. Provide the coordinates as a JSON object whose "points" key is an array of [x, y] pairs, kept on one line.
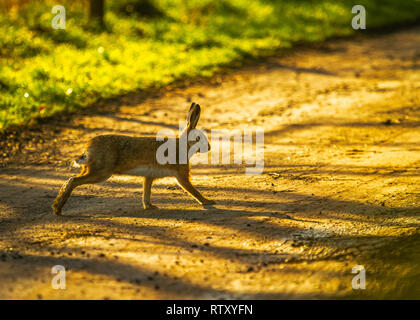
{"points": [[340, 188]]}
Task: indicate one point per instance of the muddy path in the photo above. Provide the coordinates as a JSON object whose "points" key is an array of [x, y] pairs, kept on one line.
{"points": [[340, 188]]}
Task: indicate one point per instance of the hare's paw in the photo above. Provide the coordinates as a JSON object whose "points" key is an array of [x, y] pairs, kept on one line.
{"points": [[149, 206], [56, 209], [208, 202]]}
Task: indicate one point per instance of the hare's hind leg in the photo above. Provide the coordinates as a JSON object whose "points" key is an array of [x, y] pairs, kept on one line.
{"points": [[185, 183], [86, 176], [147, 187]]}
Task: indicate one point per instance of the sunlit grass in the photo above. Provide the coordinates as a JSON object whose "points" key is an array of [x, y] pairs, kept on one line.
{"points": [[45, 71]]}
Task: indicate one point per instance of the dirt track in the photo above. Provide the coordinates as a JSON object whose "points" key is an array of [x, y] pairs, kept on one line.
{"points": [[340, 188]]}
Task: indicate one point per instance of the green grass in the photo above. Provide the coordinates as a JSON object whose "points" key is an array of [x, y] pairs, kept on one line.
{"points": [[45, 71]]}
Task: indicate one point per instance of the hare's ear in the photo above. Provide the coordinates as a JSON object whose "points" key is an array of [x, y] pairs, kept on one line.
{"points": [[193, 116], [190, 112]]}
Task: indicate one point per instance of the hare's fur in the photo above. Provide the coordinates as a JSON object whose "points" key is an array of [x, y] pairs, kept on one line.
{"points": [[116, 154]]}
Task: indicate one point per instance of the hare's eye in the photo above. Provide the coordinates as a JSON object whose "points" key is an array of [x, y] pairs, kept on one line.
{"points": [[197, 138]]}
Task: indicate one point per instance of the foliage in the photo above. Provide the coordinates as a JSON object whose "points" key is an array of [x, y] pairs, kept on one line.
{"points": [[153, 43]]}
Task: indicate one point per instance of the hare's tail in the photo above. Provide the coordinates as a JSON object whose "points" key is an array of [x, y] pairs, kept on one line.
{"points": [[80, 161]]}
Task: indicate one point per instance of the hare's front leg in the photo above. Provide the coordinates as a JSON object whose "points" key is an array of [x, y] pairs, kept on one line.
{"points": [[147, 187], [185, 183]]}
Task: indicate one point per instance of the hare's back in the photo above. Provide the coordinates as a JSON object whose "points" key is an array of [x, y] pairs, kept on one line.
{"points": [[134, 155]]}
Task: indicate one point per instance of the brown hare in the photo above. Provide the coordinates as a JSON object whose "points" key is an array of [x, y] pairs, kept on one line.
{"points": [[106, 155]]}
